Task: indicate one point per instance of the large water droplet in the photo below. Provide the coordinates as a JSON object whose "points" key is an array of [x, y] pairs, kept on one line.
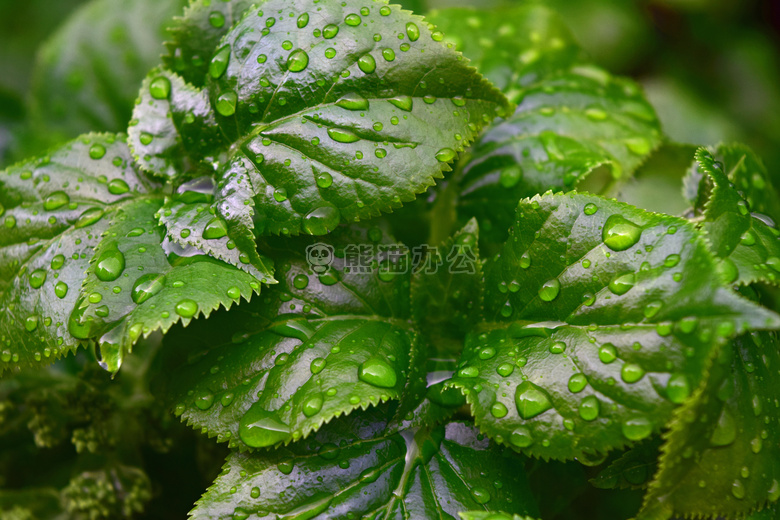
{"points": [[367, 63], [61, 289], [521, 437], [619, 233], [589, 408], [412, 31], [312, 406], [510, 176], [480, 495], [631, 373], [56, 200], [637, 428], [303, 20], [216, 228], [322, 220], [219, 62], [147, 286], [110, 264], [89, 217], [297, 60], [550, 290], [725, 431], [187, 308], [353, 101], [97, 151], [577, 383], [678, 389], [531, 400], [37, 278], [226, 103], [259, 428], [623, 283], [317, 364], [402, 102], [446, 155], [330, 31], [377, 372], [352, 20], [728, 270], [160, 87], [342, 135]]}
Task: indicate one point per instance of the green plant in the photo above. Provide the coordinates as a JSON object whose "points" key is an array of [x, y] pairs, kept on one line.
{"points": [[502, 333]]}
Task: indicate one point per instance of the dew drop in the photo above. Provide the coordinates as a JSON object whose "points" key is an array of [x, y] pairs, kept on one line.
{"points": [[341, 135], [303, 20], [725, 431], [61, 289], [367, 63], [204, 400], [621, 284], [226, 103], [550, 290], [678, 388], [147, 286], [216, 228], [322, 220], [353, 102], [589, 408], [607, 353], [352, 20], [97, 151], [446, 155], [412, 31], [531, 400], [110, 264], [259, 428], [619, 233], [521, 437], [631, 373], [56, 200], [187, 308], [577, 383], [312, 406], [216, 19], [297, 61], [160, 87], [377, 372], [405, 103], [480, 495], [219, 62], [637, 428], [510, 176], [330, 31]]}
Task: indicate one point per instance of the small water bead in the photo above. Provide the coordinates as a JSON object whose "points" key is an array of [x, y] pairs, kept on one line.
{"points": [[280, 194], [384, 10], [498, 410], [146, 138], [678, 388], [521, 437], [437, 36], [31, 323], [37, 278], [322, 220], [118, 187], [607, 353], [525, 260], [261, 58], [226, 103], [637, 428], [301, 281], [215, 229], [619, 233], [406, 104], [623, 283], [377, 372], [638, 145], [216, 19], [259, 428], [330, 31], [748, 239], [110, 265], [728, 270], [672, 260], [412, 31], [330, 53], [341, 135], [446, 155], [220, 61], [160, 88], [97, 151], [590, 408], [303, 20], [774, 491], [480, 495], [353, 102], [531, 400], [9, 222], [388, 54], [577, 383], [56, 200], [510, 176], [505, 369], [61, 289], [558, 347], [297, 61], [147, 286], [631, 373], [738, 489], [550, 290], [725, 431], [352, 20]]}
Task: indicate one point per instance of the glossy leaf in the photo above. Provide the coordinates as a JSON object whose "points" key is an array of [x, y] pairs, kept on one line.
{"points": [[605, 318], [571, 116], [514, 47], [491, 515], [721, 452], [447, 285], [360, 469], [138, 282], [191, 220], [330, 116], [324, 342], [54, 211], [87, 73], [173, 129], [194, 36], [748, 244]]}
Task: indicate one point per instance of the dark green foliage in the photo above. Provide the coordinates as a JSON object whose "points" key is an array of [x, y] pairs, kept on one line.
{"points": [[266, 257]]}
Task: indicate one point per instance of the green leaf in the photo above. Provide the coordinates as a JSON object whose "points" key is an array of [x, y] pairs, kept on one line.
{"points": [[190, 218], [747, 243], [32, 503], [605, 319], [54, 211], [330, 116], [430, 472], [87, 74], [194, 36], [721, 452], [138, 282], [447, 286], [323, 343], [633, 469], [173, 130], [513, 47], [571, 116]]}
